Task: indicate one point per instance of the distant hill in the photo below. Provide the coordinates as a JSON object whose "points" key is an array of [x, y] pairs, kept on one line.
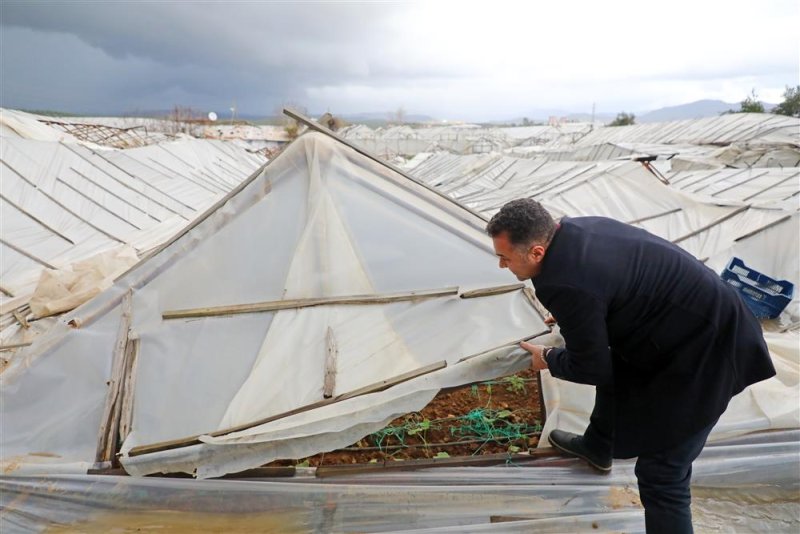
{"points": [[693, 110]]}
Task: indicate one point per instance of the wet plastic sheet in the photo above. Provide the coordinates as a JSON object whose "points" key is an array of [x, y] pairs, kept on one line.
{"points": [[750, 484]]}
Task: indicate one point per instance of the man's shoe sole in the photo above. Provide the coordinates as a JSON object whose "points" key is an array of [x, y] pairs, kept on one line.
{"points": [[582, 457]]}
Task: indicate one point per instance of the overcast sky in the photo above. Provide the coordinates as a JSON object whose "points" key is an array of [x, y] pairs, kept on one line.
{"points": [[451, 60]]}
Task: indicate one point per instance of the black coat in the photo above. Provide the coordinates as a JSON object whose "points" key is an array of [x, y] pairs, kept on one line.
{"points": [[643, 316]]}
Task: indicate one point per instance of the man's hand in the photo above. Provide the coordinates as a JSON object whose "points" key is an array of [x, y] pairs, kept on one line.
{"points": [[537, 361]]}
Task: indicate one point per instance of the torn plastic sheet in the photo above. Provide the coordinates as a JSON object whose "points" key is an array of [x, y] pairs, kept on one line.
{"points": [[323, 429]]}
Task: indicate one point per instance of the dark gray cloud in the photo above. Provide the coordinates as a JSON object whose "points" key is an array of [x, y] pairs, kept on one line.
{"points": [[136, 54], [446, 59]]}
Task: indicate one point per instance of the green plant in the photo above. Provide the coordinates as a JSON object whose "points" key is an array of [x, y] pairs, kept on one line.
{"points": [[515, 384]]}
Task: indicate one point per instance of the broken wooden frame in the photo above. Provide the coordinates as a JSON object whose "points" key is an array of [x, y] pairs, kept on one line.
{"points": [[124, 348]]}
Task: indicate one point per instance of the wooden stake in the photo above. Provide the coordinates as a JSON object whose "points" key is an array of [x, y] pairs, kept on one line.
{"points": [[128, 388], [330, 365], [291, 304], [106, 443], [373, 388]]}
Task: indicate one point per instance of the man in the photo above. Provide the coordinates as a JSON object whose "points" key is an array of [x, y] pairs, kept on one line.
{"points": [[663, 339]]}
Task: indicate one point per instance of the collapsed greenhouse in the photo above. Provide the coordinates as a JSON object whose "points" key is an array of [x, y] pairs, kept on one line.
{"points": [[282, 311]]}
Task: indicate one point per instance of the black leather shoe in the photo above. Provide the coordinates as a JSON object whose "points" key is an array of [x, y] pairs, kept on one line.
{"points": [[573, 444]]}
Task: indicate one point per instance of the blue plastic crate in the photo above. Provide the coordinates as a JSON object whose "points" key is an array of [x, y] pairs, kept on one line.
{"points": [[764, 296]]}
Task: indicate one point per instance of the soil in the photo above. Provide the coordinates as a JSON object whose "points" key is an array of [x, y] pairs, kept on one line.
{"points": [[498, 416]]}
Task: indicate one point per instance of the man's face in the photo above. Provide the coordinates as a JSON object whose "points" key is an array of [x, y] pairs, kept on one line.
{"points": [[524, 262]]}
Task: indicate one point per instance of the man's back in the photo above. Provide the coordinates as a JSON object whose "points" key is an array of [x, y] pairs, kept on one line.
{"points": [[681, 341]]}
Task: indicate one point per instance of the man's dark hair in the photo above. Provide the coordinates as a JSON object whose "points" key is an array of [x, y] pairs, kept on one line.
{"points": [[525, 221]]}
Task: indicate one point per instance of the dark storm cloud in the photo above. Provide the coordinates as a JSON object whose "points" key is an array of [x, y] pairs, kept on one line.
{"points": [[470, 60], [111, 54]]}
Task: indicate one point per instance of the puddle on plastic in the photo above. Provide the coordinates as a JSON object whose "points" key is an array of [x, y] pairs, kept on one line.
{"points": [[746, 510], [171, 521]]}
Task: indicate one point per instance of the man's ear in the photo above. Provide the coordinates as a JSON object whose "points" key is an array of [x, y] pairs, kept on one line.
{"points": [[537, 252]]}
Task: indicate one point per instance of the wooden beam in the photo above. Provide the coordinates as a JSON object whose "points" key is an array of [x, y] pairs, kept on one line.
{"points": [[711, 224], [13, 346], [26, 254], [109, 424], [765, 227], [118, 197], [331, 355], [103, 207], [489, 291], [59, 204], [373, 388], [656, 216], [123, 183], [426, 463], [37, 220], [292, 304], [128, 388]]}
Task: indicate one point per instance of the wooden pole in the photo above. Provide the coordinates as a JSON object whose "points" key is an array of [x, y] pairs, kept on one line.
{"points": [[26, 254], [128, 388], [515, 343], [291, 304], [712, 224], [331, 355]]}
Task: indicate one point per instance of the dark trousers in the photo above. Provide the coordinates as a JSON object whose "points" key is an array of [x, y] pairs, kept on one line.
{"points": [[663, 476]]}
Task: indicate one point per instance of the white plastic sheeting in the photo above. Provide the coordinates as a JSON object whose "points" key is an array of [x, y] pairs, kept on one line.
{"points": [[773, 187], [26, 126], [715, 215], [739, 486], [460, 139], [754, 214], [320, 221], [64, 203], [750, 128]]}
